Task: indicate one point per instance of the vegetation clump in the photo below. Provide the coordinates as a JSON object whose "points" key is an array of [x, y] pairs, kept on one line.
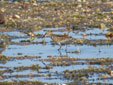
{"points": [[21, 82], [32, 67], [3, 58]]}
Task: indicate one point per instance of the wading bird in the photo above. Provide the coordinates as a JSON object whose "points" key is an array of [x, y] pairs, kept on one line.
{"points": [[59, 39]]}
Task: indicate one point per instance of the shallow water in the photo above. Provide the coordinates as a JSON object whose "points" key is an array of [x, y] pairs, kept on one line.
{"points": [[44, 50]]}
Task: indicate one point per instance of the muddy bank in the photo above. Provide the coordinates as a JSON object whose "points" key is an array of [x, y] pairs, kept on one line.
{"points": [[23, 15]]}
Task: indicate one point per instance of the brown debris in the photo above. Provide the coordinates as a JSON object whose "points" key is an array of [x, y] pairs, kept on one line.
{"points": [[2, 18]]}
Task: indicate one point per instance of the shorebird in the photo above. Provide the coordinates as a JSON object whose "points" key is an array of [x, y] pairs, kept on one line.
{"points": [[59, 39], [31, 34]]}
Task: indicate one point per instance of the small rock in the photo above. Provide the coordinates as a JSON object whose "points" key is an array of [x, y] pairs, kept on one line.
{"points": [[3, 9], [49, 56], [16, 17], [24, 6], [19, 53], [1, 78], [34, 4], [84, 35], [103, 26]]}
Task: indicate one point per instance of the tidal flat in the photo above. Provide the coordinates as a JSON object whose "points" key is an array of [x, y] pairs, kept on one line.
{"points": [[56, 42]]}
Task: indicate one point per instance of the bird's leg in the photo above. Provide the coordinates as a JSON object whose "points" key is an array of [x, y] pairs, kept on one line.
{"points": [[60, 47], [66, 48], [66, 51], [66, 54], [60, 52]]}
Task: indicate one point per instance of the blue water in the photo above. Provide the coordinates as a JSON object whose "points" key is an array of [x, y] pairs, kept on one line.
{"points": [[44, 50]]}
